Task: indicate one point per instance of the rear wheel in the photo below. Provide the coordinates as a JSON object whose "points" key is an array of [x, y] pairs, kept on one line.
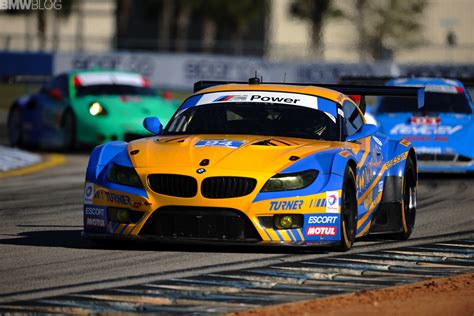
{"points": [[408, 209], [348, 226], [15, 129]]}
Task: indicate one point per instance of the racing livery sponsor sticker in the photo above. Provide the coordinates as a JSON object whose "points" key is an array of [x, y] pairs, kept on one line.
{"points": [[289, 98], [405, 129], [117, 198], [95, 218], [88, 193], [101, 78], [219, 143], [112, 197], [332, 204], [321, 227], [396, 160], [321, 231], [261, 97], [405, 142], [428, 150], [286, 205], [322, 219], [232, 98]]}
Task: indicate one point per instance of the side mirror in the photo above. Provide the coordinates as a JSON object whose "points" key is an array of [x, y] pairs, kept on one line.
{"points": [[55, 94], [365, 131], [153, 125]]}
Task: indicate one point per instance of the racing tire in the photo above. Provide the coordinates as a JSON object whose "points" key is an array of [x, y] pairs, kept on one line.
{"points": [[15, 127], [348, 225], [408, 207], [68, 127]]}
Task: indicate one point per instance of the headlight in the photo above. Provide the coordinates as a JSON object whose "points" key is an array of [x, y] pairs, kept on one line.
{"points": [[124, 175], [95, 109], [290, 181]]}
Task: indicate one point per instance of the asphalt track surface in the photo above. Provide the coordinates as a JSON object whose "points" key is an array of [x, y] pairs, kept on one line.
{"points": [[42, 252]]}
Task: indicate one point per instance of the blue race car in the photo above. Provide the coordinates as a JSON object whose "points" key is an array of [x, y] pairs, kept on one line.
{"points": [[442, 130]]}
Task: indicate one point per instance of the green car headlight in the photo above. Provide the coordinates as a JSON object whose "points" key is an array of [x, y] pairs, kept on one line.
{"points": [[124, 175], [96, 109], [290, 181]]}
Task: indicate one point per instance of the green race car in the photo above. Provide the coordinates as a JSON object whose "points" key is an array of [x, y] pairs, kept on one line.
{"points": [[87, 107]]}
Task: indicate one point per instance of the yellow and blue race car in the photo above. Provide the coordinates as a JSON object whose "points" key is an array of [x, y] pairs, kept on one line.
{"points": [[257, 163]]}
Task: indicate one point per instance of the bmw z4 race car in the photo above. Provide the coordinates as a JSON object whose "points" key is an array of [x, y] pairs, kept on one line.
{"points": [[87, 107], [441, 131], [256, 163]]}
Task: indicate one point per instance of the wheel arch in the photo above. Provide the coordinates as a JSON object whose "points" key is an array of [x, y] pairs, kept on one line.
{"points": [[68, 109]]}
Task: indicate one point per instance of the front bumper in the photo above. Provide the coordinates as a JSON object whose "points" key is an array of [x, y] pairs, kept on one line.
{"points": [[160, 217]]}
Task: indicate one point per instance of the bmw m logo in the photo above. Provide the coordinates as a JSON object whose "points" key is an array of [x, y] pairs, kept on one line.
{"points": [[201, 170]]}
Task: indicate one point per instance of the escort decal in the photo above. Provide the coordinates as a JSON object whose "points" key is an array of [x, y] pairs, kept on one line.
{"points": [[95, 218]]}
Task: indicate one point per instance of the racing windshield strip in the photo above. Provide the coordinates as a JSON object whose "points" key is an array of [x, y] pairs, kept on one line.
{"points": [[110, 78], [288, 98]]}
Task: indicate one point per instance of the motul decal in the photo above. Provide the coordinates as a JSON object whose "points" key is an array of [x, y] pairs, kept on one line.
{"points": [[321, 231]]}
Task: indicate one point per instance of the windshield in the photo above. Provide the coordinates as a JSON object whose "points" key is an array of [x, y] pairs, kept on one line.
{"points": [[436, 102], [254, 119], [113, 89]]}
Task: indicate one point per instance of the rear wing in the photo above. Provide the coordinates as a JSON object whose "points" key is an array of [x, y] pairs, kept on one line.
{"points": [[466, 80], [347, 89]]}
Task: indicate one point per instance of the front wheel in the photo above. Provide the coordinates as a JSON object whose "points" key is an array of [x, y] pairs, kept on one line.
{"points": [[348, 226], [15, 127]]}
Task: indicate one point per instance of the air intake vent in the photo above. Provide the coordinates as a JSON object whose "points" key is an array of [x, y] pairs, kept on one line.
{"points": [[209, 223], [173, 185], [227, 187], [274, 142]]}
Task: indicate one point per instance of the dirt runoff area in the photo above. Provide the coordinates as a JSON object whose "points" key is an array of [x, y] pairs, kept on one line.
{"points": [[446, 296]]}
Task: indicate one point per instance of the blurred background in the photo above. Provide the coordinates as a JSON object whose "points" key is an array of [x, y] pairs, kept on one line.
{"points": [[434, 31], [177, 42]]}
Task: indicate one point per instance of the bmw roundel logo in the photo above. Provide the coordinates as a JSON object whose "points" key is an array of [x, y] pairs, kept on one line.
{"points": [[201, 170]]}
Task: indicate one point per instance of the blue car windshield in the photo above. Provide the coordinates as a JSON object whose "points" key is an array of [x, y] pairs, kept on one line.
{"points": [[254, 119], [113, 89], [435, 102]]}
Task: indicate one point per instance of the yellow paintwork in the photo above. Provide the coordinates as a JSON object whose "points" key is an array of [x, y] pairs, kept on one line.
{"points": [[177, 155]]}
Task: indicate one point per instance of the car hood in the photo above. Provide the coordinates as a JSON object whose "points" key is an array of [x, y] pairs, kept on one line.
{"points": [[231, 152]]}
